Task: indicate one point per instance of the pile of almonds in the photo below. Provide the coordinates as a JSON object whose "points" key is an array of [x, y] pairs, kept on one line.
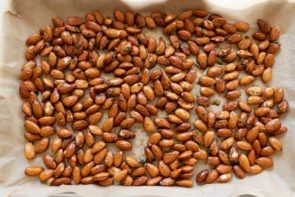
{"points": [[97, 76]]}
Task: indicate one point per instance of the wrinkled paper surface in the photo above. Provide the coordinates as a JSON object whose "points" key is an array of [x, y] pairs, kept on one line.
{"points": [[23, 17]]}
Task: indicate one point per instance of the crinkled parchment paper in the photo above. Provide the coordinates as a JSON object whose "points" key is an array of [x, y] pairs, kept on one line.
{"points": [[23, 17]]}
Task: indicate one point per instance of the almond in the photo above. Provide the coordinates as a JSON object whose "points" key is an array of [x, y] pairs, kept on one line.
{"points": [[29, 151], [33, 170], [32, 127]]}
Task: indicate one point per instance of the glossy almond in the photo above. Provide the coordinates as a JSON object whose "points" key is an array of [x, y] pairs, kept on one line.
{"points": [[108, 125], [32, 127], [124, 145], [275, 143], [264, 162], [273, 125], [120, 175], [41, 145], [149, 125], [244, 163], [33, 170], [29, 151]]}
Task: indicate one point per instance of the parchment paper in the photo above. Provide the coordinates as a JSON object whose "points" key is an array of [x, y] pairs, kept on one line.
{"points": [[23, 17]]}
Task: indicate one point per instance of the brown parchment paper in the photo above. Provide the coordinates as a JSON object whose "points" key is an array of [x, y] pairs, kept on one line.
{"points": [[20, 18]]}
